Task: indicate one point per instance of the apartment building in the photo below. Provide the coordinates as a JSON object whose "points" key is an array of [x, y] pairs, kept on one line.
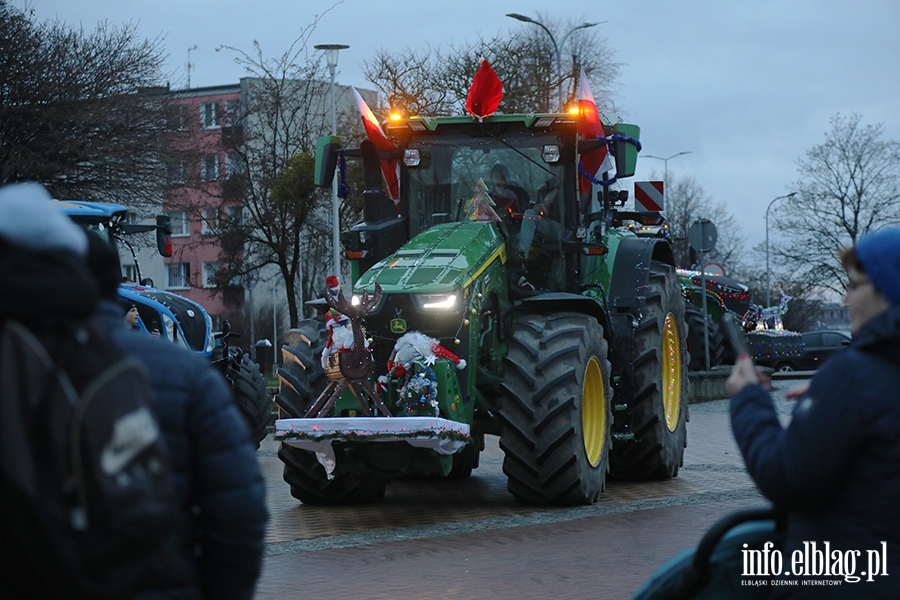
{"points": [[204, 195]]}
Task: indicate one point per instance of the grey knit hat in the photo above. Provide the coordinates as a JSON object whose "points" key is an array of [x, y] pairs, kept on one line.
{"points": [[29, 220]]}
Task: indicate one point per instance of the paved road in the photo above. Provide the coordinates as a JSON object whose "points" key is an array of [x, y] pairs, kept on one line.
{"points": [[469, 539]]}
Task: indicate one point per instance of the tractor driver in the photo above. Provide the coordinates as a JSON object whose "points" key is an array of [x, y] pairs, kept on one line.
{"points": [[540, 219], [508, 196]]}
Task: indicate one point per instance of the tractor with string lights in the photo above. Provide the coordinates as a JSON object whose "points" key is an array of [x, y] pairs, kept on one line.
{"points": [[724, 295], [494, 291]]}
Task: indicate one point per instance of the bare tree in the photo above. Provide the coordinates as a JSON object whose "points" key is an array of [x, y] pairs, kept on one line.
{"points": [[283, 227], [687, 201], [849, 185], [83, 113], [435, 82]]}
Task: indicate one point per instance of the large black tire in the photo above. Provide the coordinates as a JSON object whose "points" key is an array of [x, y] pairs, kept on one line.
{"points": [[249, 391], [301, 380], [696, 342], [310, 485], [556, 413], [659, 376], [465, 461]]}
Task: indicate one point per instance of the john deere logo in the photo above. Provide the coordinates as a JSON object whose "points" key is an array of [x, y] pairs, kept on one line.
{"points": [[398, 326]]}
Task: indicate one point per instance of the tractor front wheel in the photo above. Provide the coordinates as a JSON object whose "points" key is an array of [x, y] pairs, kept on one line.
{"points": [[310, 485], [302, 379], [556, 412]]}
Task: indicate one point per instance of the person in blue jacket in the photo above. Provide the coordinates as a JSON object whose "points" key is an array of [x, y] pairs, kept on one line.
{"points": [[217, 476], [835, 469]]}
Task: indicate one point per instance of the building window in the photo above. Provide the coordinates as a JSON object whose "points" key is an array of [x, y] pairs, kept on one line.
{"points": [[180, 223], [209, 274], [233, 216], [211, 167], [209, 221], [232, 164], [178, 117], [129, 274], [179, 276], [177, 172], [209, 115], [232, 113]]}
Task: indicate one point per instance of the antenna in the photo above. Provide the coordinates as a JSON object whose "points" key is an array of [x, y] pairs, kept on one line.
{"points": [[189, 65]]}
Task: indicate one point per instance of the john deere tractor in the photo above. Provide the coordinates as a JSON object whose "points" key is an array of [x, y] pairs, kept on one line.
{"points": [[550, 325], [176, 318]]}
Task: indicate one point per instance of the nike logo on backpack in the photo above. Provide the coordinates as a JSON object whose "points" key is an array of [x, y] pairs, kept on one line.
{"points": [[132, 434]]}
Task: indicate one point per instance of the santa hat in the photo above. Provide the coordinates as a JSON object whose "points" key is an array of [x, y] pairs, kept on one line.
{"points": [[441, 352], [333, 284]]}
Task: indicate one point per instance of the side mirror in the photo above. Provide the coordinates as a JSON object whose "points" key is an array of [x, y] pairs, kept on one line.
{"points": [[626, 152], [327, 148], [164, 235]]}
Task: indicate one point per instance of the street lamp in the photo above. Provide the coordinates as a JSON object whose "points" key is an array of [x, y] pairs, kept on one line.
{"points": [[331, 57], [768, 289], [666, 164], [556, 47]]}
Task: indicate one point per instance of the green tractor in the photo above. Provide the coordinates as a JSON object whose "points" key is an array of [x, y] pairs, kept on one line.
{"points": [[550, 324]]}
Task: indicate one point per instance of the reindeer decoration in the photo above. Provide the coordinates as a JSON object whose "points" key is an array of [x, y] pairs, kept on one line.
{"points": [[349, 367]]}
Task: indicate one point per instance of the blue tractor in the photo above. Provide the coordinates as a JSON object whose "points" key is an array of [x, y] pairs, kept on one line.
{"points": [[176, 318]]}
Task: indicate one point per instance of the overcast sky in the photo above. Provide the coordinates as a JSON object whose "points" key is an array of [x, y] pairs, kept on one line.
{"points": [[746, 87]]}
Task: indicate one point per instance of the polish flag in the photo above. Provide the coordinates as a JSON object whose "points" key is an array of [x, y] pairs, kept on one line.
{"points": [[390, 169], [590, 127], [486, 92]]}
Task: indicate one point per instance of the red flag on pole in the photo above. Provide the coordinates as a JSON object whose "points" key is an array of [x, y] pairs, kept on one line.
{"points": [[590, 127], [389, 168], [486, 92]]}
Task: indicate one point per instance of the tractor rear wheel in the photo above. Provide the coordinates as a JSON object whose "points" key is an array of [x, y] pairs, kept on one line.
{"points": [[249, 391], [659, 406], [696, 342], [556, 412], [301, 380]]}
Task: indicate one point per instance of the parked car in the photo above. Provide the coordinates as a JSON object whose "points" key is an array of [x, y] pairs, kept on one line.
{"points": [[817, 347]]}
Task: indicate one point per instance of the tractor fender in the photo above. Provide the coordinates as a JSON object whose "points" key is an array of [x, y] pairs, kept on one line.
{"points": [[565, 302], [631, 269]]}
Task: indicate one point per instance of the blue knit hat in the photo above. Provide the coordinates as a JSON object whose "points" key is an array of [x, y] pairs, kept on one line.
{"points": [[879, 254]]}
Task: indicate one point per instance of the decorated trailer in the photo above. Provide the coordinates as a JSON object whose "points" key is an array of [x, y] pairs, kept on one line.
{"points": [[492, 294]]}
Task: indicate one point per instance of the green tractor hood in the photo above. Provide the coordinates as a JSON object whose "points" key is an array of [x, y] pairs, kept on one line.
{"points": [[444, 258]]}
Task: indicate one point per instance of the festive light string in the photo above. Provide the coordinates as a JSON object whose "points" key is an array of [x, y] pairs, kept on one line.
{"points": [[359, 436]]}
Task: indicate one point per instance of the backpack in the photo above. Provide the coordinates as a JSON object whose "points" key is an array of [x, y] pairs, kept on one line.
{"points": [[86, 502]]}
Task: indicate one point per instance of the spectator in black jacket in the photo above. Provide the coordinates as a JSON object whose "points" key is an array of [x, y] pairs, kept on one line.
{"points": [[217, 476], [836, 468]]}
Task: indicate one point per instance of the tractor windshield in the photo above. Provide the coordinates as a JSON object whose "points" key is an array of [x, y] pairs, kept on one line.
{"points": [[508, 179], [458, 174]]}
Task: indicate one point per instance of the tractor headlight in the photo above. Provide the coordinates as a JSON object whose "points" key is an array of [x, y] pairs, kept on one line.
{"points": [[356, 300], [446, 302]]}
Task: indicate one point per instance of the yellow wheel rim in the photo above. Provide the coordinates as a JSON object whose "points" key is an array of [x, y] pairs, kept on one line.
{"points": [[671, 372], [593, 412]]}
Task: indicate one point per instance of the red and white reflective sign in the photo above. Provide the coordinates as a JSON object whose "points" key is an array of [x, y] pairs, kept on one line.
{"points": [[648, 196]]}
